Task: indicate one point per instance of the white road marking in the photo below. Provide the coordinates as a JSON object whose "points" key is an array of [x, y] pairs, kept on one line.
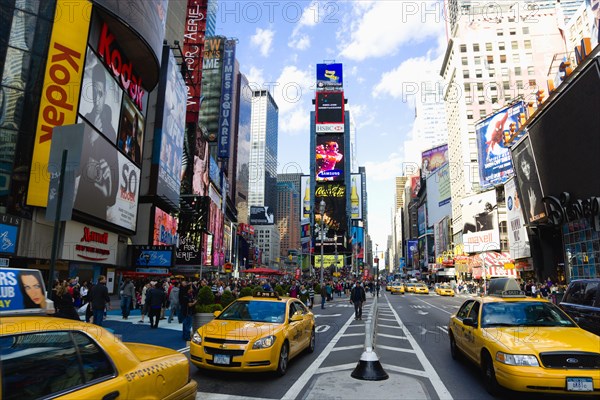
{"points": [[443, 329], [388, 326], [184, 350], [420, 312], [390, 336], [313, 368], [322, 328], [336, 368], [403, 370], [353, 334], [215, 396], [395, 348], [330, 315], [356, 346], [386, 319], [436, 381], [436, 307]]}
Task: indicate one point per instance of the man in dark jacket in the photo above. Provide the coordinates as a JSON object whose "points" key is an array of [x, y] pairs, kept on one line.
{"points": [[127, 296], [358, 296], [155, 299], [99, 300]]}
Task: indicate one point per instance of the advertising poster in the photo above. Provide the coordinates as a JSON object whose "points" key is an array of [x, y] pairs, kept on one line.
{"points": [[261, 215], [334, 217], [329, 261], [200, 180], [131, 131], [214, 172], [422, 220], [438, 195], [480, 231], [212, 75], [329, 115], [517, 233], [329, 155], [358, 242], [305, 233], [433, 159], [305, 203], [415, 186], [528, 181], [82, 242], [227, 84], [593, 13], [356, 204], [495, 165], [152, 256], [193, 39], [165, 229], [106, 182], [170, 129], [330, 76], [9, 233], [22, 289], [412, 253]]}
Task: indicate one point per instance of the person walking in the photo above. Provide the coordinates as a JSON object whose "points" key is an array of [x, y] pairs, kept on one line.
{"points": [[99, 300], [127, 296], [174, 304], [323, 296], [311, 295], [358, 296], [145, 290], [63, 303], [155, 299], [187, 309]]}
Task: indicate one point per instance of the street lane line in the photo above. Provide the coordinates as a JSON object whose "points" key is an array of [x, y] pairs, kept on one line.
{"points": [[354, 334], [396, 349], [356, 346], [329, 315], [436, 381], [313, 368], [388, 326], [184, 350], [434, 306], [390, 336], [443, 329], [386, 319], [215, 396], [336, 368], [407, 371]]}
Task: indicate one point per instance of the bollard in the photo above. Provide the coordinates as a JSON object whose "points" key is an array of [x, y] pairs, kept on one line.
{"points": [[369, 368]]}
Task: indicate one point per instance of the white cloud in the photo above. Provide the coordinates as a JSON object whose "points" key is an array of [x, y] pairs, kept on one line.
{"points": [[300, 43], [378, 29], [293, 95], [263, 39], [255, 77]]}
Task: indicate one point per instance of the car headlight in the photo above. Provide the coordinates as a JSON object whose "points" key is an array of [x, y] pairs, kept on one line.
{"points": [[196, 338], [522, 360], [264, 343]]}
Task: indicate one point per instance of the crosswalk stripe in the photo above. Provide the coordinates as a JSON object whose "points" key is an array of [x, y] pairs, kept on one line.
{"points": [[394, 349], [356, 346], [391, 336]]}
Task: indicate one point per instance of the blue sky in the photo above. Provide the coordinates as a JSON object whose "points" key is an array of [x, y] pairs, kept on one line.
{"points": [[385, 46]]}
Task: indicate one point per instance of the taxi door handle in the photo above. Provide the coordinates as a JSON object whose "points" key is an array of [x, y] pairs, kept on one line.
{"points": [[111, 396]]}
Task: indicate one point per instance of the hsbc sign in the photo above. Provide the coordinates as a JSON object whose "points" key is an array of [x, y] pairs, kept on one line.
{"points": [[330, 128]]}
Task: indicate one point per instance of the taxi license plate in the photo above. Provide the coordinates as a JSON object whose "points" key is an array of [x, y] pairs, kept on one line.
{"points": [[221, 359], [580, 384]]}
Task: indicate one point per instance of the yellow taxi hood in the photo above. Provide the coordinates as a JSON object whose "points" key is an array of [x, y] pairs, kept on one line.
{"points": [[238, 330], [538, 339], [147, 352]]}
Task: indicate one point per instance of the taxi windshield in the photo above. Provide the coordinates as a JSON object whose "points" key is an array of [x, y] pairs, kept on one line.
{"points": [[523, 313], [257, 311]]}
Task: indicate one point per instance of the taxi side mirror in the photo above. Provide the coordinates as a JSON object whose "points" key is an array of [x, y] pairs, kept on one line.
{"points": [[217, 313], [297, 317], [470, 322]]}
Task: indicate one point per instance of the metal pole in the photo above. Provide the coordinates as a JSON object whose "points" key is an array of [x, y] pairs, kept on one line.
{"points": [[322, 212], [484, 273], [56, 233], [336, 254]]}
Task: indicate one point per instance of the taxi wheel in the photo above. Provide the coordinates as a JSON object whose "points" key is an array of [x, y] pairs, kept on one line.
{"points": [[311, 344], [489, 375], [453, 349], [283, 359]]}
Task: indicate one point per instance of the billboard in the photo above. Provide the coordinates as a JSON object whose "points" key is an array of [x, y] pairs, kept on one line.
{"points": [[415, 186], [106, 182], [152, 256], [495, 165], [261, 215], [58, 106], [200, 180], [212, 76], [329, 155], [305, 204], [330, 76], [480, 230], [165, 229], [358, 242], [329, 260], [13, 293], [528, 180], [517, 234], [329, 115], [356, 198], [335, 218], [227, 83], [412, 253], [422, 219], [433, 159], [169, 129], [9, 232], [193, 51], [438, 194], [87, 243]]}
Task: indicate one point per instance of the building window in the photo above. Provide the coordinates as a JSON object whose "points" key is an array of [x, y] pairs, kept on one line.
{"points": [[475, 46], [526, 30], [530, 70], [532, 83], [480, 87], [481, 100], [463, 48], [478, 73], [477, 60], [504, 71], [467, 87], [514, 45], [465, 61], [499, 32], [527, 44], [512, 32], [491, 72], [490, 59], [501, 46], [517, 71], [506, 85], [520, 85], [469, 114], [488, 46], [502, 58], [465, 73]]}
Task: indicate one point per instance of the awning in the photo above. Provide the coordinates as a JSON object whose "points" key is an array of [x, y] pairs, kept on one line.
{"points": [[494, 272], [490, 258]]}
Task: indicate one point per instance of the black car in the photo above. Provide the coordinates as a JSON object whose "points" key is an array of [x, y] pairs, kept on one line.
{"points": [[582, 302]]}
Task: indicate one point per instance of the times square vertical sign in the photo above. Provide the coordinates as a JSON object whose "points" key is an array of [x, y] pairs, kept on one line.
{"points": [[226, 98], [193, 51]]}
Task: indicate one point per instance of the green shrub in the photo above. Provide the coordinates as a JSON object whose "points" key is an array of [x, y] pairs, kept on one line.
{"points": [[280, 290], [205, 296], [246, 291], [256, 289], [227, 298], [208, 308]]}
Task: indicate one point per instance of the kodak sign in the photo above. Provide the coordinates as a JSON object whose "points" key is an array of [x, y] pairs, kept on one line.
{"points": [[60, 93]]}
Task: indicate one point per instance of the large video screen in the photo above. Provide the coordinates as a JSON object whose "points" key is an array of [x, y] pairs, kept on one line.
{"points": [[329, 155], [334, 217]]}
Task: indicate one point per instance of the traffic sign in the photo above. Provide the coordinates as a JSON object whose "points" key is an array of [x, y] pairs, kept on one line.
{"points": [[4, 262]]}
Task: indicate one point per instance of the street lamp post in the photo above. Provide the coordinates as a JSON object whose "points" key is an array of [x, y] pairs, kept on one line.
{"points": [[377, 262], [322, 232], [335, 238]]}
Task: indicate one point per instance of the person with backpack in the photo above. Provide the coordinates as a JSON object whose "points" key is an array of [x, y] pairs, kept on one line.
{"points": [[358, 296]]}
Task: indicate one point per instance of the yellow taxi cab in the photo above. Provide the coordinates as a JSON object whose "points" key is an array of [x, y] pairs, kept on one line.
{"points": [[43, 356], [409, 287], [444, 290], [421, 288], [397, 287], [525, 344], [388, 287], [255, 334]]}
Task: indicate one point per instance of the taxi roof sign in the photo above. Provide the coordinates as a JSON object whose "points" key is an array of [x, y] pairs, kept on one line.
{"points": [[504, 287], [22, 291], [270, 295]]}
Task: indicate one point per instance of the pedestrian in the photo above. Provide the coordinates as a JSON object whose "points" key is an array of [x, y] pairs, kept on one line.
{"points": [[63, 303], [155, 299], [358, 296], [311, 295], [99, 300], [174, 304], [303, 295], [187, 311], [323, 296], [145, 289], [127, 295], [377, 288]]}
